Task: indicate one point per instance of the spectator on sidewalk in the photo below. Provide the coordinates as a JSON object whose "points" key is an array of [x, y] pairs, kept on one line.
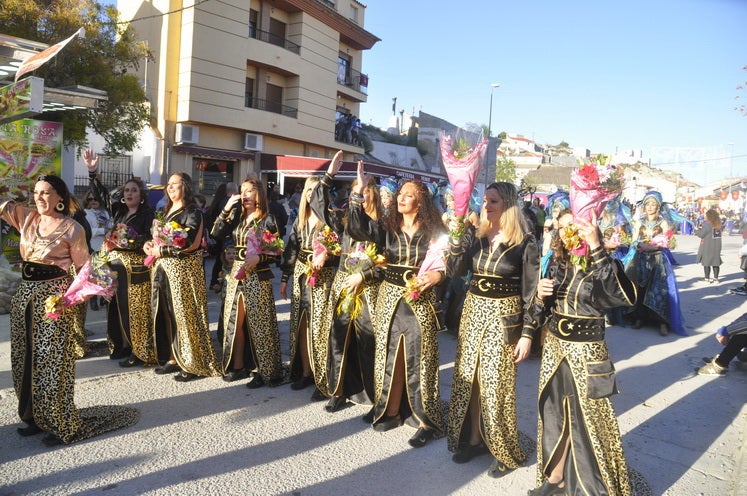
{"points": [[734, 337]]}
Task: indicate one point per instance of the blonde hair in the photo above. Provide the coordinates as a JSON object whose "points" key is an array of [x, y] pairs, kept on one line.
{"points": [[304, 209], [512, 221]]}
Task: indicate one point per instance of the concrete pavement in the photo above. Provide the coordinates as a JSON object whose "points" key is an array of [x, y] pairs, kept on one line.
{"points": [[683, 433]]}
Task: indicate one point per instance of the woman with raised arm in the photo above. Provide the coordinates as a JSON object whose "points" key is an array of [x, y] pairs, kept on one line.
{"points": [[352, 299], [311, 275], [129, 327], [42, 347], [498, 324], [179, 299], [407, 360], [579, 449], [251, 343]]}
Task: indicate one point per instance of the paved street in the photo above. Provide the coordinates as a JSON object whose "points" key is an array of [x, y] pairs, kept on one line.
{"points": [[685, 434]]}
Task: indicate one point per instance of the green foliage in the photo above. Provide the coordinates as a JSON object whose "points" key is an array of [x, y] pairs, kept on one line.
{"points": [[505, 170], [502, 135], [563, 144], [105, 60]]}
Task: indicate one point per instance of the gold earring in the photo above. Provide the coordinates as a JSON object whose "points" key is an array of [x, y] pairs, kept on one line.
{"points": [[60, 206]]}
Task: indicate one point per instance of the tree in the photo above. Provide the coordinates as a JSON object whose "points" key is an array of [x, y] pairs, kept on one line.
{"points": [[505, 170], [105, 60]]}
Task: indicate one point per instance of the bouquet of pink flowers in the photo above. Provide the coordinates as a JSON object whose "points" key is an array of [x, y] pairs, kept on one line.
{"points": [[260, 242], [664, 240], [94, 279], [593, 185], [434, 260], [364, 257], [121, 236], [167, 234], [327, 241], [462, 164]]}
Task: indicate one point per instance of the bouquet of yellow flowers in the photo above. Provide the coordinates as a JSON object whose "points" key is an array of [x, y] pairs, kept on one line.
{"points": [[577, 248], [364, 257]]}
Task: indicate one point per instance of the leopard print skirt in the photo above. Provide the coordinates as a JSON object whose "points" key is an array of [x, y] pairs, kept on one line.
{"points": [[179, 282], [484, 359], [596, 445], [351, 345], [413, 326], [311, 303], [129, 314], [260, 319], [43, 354]]}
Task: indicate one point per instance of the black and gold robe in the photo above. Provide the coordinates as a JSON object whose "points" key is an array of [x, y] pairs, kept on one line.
{"points": [[498, 310]]}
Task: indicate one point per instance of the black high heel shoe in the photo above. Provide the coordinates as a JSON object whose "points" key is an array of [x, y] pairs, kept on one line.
{"points": [[29, 430], [421, 437], [548, 489], [335, 403]]}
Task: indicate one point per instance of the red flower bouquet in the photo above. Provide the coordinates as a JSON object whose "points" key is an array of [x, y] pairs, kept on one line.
{"points": [[326, 241], [122, 236], [260, 242], [593, 185], [167, 234]]}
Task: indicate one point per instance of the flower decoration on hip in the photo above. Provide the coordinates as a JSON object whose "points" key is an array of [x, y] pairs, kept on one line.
{"points": [[167, 234], [94, 279], [120, 237], [364, 257], [260, 242], [593, 184], [326, 241], [462, 164], [578, 249], [434, 260]]}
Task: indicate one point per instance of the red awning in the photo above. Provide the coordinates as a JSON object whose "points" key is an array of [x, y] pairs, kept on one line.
{"points": [[216, 153], [294, 164]]}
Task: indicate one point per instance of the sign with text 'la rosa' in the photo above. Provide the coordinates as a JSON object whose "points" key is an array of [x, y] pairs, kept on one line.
{"points": [[28, 149]]}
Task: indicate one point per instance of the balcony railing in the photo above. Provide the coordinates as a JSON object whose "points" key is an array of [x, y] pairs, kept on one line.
{"points": [[271, 106], [352, 79], [273, 39]]}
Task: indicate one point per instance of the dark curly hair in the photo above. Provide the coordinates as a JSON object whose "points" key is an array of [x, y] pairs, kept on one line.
{"points": [[428, 215], [189, 195]]}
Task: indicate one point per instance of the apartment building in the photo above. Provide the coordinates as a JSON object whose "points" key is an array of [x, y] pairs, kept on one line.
{"points": [[238, 84]]}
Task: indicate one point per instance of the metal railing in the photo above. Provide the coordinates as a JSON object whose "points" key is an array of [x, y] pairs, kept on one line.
{"points": [[271, 106], [111, 180], [274, 39], [353, 79]]}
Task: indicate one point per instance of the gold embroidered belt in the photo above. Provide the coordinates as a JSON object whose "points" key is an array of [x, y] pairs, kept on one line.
{"points": [[494, 287], [578, 329], [32, 271], [399, 274]]}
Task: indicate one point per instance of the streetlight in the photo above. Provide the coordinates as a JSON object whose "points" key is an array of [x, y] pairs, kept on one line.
{"points": [[490, 122], [731, 172]]}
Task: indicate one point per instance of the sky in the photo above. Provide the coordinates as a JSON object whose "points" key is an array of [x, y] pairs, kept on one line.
{"points": [[658, 76]]}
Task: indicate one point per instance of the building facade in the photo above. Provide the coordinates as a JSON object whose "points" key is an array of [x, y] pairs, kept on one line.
{"points": [[235, 84]]}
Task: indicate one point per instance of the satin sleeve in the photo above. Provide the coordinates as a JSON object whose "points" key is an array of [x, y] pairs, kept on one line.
{"points": [[362, 227], [530, 275], [290, 254], [461, 253], [612, 288]]}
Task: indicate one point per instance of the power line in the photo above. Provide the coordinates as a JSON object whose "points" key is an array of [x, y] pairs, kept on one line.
{"points": [[199, 2], [697, 161]]}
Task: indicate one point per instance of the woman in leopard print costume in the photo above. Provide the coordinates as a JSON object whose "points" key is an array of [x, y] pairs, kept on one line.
{"points": [[498, 324], [43, 349], [406, 359], [178, 295], [579, 449], [249, 344], [128, 325]]}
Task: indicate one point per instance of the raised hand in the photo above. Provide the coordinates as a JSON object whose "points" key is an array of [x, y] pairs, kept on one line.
{"points": [[334, 166], [90, 159]]}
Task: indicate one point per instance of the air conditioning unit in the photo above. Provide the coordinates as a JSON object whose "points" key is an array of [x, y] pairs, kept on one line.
{"points": [[253, 142], [187, 134]]}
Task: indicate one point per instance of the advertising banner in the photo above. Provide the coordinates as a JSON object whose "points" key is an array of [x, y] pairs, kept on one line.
{"points": [[22, 99], [28, 149]]}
